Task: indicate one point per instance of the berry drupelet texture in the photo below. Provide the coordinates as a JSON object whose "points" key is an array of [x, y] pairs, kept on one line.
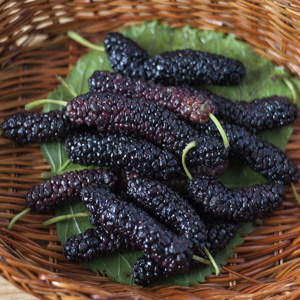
{"points": [[51, 193], [220, 233], [36, 128], [190, 66], [246, 204], [92, 244], [174, 67], [180, 101], [257, 116], [146, 271], [121, 152], [125, 55], [115, 113], [117, 216], [170, 209], [260, 155]]}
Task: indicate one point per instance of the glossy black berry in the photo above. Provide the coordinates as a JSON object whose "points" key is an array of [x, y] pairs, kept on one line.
{"points": [[36, 128], [121, 152]]}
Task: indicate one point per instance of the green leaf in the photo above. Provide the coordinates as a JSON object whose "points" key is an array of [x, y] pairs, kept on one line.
{"points": [[156, 38]]}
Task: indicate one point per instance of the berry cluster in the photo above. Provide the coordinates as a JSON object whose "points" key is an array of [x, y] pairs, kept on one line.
{"points": [[139, 129]]}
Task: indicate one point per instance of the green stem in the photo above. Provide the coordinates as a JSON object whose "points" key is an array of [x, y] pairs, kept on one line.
{"points": [[68, 88], [185, 151], [200, 259], [65, 217], [1, 131], [79, 39], [44, 101], [212, 261], [221, 130], [48, 175], [295, 192], [289, 85], [17, 217]]}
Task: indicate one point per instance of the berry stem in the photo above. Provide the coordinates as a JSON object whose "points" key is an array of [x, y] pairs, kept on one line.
{"points": [[221, 130], [43, 102], [212, 261], [66, 86], [65, 217], [17, 217], [200, 259], [295, 192], [185, 151], [79, 39], [61, 170], [289, 85]]}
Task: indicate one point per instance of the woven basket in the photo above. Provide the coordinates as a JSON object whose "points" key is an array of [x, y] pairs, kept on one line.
{"points": [[34, 48]]}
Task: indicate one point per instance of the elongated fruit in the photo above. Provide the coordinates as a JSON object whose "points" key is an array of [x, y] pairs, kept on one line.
{"points": [[92, 244], [246, 204], [115, 215], [36, 128], [260, 155], [180, 101], [121, 152], [53, 192], [119, 114], [257, 115], [174, 67], [171, 209]]}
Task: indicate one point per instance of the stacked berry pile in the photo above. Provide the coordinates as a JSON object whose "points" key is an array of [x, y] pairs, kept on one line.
{"points": [[139, 129]]}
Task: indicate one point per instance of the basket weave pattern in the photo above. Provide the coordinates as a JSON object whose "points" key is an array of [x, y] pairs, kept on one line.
{"points": [[34, 48]]}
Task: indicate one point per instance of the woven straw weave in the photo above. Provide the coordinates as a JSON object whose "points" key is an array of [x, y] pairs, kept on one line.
{"points": [[34, 48]]}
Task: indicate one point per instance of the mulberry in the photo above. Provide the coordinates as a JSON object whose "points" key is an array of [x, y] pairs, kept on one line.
{"points": [[125, 55], [46, 196], [246, 204], [146, 271], [190, 66], [121, 152], [219, 235], [257, 153], [179, 101], [170, 209], [174, 67], [119, 114], [92, 244], [27, 128], [257, 116], [117, 216]]}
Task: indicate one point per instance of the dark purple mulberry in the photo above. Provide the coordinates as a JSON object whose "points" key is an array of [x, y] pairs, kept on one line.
{"points": [[125, 55], [246, 204], [115, 215], [179, 101], [46, 196], [121, 152], [190, 66], [146, 271], [92, 244], [28, 128], [220, 233], [258, 115], [119, 114], [170, 209], [257, 153], [174, 67]]}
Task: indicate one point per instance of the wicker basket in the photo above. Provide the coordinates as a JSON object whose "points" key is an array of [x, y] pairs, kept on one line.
{"points": [[34, 48]]}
